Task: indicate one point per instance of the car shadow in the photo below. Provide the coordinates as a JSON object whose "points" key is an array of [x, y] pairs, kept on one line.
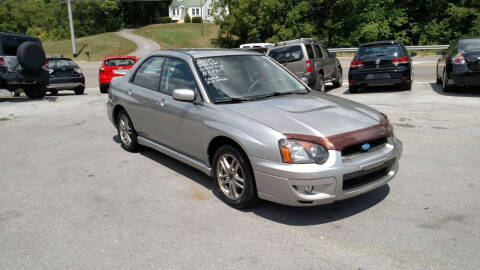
{"points": [[287, 215], [375, 89], [457, 91]]}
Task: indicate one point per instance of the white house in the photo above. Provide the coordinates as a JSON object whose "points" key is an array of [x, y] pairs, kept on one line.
{"points": [[195, 8]]}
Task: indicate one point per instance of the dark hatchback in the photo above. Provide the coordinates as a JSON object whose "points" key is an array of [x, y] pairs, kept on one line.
{"points": [[381, 63], [460, 64], [64, 74]]}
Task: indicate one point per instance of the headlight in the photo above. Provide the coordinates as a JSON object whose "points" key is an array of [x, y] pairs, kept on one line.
{"points": [[295, 151]]}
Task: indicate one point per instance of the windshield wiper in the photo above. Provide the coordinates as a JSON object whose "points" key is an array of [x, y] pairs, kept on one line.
{"points": [[232, 100], [274, 94]]}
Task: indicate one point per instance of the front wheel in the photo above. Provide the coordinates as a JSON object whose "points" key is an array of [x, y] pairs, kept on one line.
{"points": [[126, 132], [338, 78], [234, 178]]}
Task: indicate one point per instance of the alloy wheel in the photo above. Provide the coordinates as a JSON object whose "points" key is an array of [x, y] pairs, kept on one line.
{"points": [[230, 176], [125, 130]]}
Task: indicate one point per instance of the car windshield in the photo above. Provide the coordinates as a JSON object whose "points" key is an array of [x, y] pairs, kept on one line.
{"points": [[59, 63], [245, 77], [287, 54], [120, 62], [468, 45], [379, 50]]}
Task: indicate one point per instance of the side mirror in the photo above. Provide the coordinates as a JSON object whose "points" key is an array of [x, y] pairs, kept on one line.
{"points": [[333, 54], [186, 95], [413, 54]]}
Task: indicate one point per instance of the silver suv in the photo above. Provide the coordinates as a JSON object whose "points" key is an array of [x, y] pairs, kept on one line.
{"points": [[23, 65], [255, 128], [310, 61]]}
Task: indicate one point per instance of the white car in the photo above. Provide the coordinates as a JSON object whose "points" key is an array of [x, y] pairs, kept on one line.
{"points": [[256, 45]]}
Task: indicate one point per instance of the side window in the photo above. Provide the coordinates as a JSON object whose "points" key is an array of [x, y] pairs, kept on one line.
{"points": [[325, 53], [148, 74], [320, 54], [309, 51], [176, 75]]}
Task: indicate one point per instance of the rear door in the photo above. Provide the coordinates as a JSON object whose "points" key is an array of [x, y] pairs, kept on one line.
{"points": [[292, 57]]}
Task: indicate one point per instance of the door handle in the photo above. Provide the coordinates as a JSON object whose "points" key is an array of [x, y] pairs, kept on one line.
{"points": [[162, 102], [129, 91]]}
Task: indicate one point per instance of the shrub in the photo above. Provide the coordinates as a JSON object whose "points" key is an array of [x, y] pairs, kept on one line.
{"points": [[196, 20], [187, 18], [165, 20]]}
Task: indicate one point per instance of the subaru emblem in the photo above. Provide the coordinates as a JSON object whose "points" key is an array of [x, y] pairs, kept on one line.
{"points": [[365, 146]]}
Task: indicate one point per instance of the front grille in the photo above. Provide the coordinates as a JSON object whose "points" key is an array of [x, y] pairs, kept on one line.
{"points": [[360, 178], [357, 148]]}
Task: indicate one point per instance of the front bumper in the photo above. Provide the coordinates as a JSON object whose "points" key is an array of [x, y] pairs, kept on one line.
{"points": [[284, 183], [364, 78]]}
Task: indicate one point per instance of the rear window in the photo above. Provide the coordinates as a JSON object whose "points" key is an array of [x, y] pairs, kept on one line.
{"points": [[467, 45], [59, 63], [119, 62], [379, 50], [287, 54]]}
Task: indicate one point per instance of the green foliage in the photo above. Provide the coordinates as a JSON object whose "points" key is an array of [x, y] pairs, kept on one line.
{"points": [[345, 23], [196, 20], [165, 20], [187, 18]]}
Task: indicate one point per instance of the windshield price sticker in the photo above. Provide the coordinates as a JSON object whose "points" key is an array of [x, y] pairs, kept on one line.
{"points": [[212, 71]]}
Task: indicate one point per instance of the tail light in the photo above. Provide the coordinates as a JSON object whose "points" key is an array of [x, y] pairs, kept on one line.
{"points": [[309, 66], [459, 59], [355, 63], [2, 62], [45, 65], [78, 70], [102, 69], [400, 60]]}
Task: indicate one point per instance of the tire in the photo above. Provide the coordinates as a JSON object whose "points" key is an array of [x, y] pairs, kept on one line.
{"points": [[103, 89], [126, 132], [36, 91], [338, 78], [438, 81], [54, 92], [31, 57], [228, 184], [319, 84], [79, 90], [445, 86], [353, 89], [406, 86]]}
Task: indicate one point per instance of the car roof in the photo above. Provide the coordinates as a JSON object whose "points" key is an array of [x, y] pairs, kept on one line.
{"points": [[120, 57], [200, 53], [59, 58], [380, 42]]}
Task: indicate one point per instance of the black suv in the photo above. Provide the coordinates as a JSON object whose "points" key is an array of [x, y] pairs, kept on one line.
{"points": [[381, 63], [23, 65]]}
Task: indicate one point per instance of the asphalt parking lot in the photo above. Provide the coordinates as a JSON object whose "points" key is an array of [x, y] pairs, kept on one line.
{"points": [[72, 198]]}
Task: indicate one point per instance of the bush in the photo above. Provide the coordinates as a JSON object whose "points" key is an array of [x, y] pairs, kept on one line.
{"points": [[187, 18], [165, 20], [196, 20]]}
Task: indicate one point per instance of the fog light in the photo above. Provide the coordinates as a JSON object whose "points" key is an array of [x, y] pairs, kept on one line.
{"points": [[308, 189]]}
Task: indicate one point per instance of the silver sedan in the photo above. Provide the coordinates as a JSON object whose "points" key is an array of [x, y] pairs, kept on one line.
{"points": [[252, 126]]}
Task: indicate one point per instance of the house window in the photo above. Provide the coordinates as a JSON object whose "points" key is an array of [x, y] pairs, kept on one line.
{"points": [[208, 12]]}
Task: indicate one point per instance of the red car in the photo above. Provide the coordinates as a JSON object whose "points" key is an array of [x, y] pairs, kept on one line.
{"points": [[114, 66]]}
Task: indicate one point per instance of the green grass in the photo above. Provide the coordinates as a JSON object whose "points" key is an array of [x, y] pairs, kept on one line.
{"points": [[99, 46], [176, 35]]}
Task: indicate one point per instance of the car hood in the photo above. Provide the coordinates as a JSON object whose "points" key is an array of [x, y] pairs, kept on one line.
{"points": [[312, 114]]}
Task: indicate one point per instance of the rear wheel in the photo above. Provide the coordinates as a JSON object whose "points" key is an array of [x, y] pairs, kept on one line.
{"points": [[353, 89], [438, 79], [103, 88], [445, 86], [338, 78], [406, 86], [126, 132], [35, 91], [234, 180], [79, 90], [319, 84], [54, 92]]}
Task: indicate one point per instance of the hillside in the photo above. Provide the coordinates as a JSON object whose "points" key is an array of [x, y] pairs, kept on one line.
{"points": [[99, 46], [174, 35]]}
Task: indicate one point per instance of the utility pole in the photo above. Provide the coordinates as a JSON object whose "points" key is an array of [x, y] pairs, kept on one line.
{"points": [[201, 15], [72, 33]]}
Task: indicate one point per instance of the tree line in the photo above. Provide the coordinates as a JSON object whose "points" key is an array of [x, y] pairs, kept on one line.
{"points": [[48, 19], [348, 23]]}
